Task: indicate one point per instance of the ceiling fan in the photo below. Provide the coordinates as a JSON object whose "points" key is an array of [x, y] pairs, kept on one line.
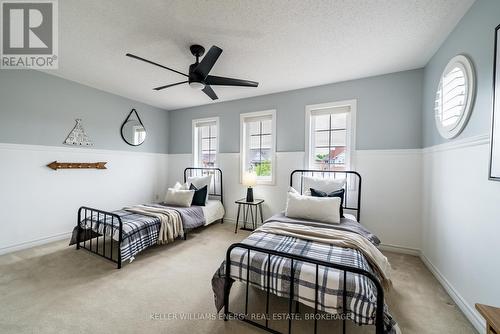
{"points": [[198, 77]]}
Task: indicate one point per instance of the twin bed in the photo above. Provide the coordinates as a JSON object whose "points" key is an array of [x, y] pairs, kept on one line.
{"points": [[331, 268], [120, 235]]}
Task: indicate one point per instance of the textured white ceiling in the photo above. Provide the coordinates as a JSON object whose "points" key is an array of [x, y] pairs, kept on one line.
{"points": [[282, 44]]}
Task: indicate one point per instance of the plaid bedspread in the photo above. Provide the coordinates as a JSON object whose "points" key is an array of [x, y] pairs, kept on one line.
{"points": [[139, 231], [361, 292]]}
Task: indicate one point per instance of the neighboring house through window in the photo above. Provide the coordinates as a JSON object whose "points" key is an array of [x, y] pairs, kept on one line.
{"points": [[330, 135], [258, 145], [205, 142]]}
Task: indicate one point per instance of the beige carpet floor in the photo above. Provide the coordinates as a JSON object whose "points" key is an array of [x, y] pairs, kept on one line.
{"points": [[55, 289]]}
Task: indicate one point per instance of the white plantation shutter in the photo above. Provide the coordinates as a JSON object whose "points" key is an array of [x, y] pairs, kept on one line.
{"points": [[453, 97]]}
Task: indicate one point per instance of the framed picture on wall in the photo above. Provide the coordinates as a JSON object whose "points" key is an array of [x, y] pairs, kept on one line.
{"points": [[495, 120]]}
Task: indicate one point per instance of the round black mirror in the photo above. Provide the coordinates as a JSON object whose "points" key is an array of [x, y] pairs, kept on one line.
{"points": [[133, 131]]}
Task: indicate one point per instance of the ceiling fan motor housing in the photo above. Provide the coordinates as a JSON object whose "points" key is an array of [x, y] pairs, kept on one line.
{"points": [[195, 80]]}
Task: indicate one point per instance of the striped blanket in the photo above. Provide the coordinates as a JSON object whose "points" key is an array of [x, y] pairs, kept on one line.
{"points": [[361, 292]]}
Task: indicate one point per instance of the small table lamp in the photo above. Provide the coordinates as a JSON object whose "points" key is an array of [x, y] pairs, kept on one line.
{"points": [[249, 180]]}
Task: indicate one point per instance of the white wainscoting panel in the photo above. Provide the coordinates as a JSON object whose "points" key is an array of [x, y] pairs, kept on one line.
{"points": [[390, 195], [38, 204], [461, 224]]}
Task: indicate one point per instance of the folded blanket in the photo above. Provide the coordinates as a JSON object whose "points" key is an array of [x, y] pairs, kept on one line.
{"points": [[337, 238], [170, 221]]}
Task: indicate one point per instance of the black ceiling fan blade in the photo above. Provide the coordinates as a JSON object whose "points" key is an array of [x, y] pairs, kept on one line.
{"points": [[208, 61], [223, 81], [210, 92], [166, 86], [153, 63]]}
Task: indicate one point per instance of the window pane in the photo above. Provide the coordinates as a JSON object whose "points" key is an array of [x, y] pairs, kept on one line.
{"points": [[267, 126], [339, 138], [213, 144], [204, 131], [267, 141], [321, 122], [263, 168], [320, 154], [339, 121], [254, 142], [205, 144], [253, 128], [258, 143], [321, 138]]}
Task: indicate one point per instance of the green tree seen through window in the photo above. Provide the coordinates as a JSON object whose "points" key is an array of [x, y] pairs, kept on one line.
{"points": [[263, 169]]}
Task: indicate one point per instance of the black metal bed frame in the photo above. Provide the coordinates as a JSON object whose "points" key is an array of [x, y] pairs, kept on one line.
{"points": [[353, 180], [84, 213], [379, 326]]}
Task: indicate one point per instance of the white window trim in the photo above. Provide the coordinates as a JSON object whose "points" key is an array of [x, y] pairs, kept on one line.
{"points": [[271, 112], [194, 155], [351, 128]]}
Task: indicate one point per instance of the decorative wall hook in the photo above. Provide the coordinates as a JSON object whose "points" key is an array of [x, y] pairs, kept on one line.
{"points": [[77, 165]]}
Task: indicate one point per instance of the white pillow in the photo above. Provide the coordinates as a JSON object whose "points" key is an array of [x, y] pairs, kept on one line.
{"points": [[179, 197], [199, 182], [327, 185], [181, 186], [322, 209]]}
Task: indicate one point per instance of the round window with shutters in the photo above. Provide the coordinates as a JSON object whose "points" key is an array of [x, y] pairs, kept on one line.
{"points": [[454, 97]]}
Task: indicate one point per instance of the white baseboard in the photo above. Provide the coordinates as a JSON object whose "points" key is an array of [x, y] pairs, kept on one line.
{"points": [[467, 310], [33, 243], [399, 249]]}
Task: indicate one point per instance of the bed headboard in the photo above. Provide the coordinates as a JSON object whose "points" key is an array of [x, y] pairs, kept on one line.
{"points": [[215, 189], [352, 195]]}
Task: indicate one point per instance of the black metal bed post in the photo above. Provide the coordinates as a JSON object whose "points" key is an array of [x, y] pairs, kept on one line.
{"points": [[227, 283], [120, 239], [359, 197], [379, 313], [78, 228], [89, 233]]}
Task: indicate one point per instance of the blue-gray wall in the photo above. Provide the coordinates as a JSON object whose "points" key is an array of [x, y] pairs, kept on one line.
{"points": [[37, 108], [474, 37], [388, 114]]}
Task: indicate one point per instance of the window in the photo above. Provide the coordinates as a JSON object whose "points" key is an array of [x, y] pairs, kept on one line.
{"points": [[330, 135], [205, 142], [454, 97], [258, 133]]}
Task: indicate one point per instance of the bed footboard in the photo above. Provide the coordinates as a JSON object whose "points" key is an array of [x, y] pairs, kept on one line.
{"points": [[100, 242], [379, 318]]}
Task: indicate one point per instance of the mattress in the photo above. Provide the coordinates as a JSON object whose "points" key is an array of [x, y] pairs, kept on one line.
{"points": [[213, 211]]}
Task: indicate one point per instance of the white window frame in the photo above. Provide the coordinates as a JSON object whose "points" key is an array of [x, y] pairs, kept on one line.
{"points": [[195, 139], [243, 147], [351, 130]]}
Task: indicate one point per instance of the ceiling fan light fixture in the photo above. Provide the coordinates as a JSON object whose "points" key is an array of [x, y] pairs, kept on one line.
{"points": [[197, 85]]}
